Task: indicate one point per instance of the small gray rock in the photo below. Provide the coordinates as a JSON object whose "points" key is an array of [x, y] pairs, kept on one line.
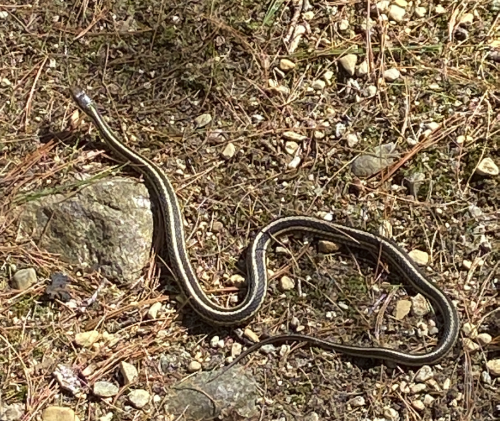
{"points": [[13, 412], [59, 413], [105, 389], [139, 398], [24, 278], [128, 372], [235, 391], [369, 164], [106, 226]]}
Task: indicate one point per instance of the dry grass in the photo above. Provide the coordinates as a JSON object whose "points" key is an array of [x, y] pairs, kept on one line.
{"points": [[153, 68]]}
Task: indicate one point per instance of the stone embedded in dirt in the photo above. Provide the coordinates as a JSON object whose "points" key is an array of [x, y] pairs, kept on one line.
{"points": [[494, 367], [396, 13], [139, 398], [59, 413], [487, 167], [420, 305], [419, 257], [348, 63], [286, 283], [153, 311], [106, 226], [286, 64], [194, 366], [202, 120], [250, 334], [291, 147], [420, 12], [391, 75], [129, 372], [229, 151], [425, 373], [23, 279], [87, 339], [402, 309], [105, 389], [327, 247], [289, 135]]}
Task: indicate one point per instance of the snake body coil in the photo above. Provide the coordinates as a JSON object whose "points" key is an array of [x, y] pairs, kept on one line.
{"points": [[256, 268]]}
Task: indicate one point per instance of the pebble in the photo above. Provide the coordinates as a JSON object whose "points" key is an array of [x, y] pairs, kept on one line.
{"points": [[139, 398], [420, 306], [286, 284], [4, 14], [425, 373], [202, 120], [487, 168], [466, 19], [417, 388], [420, 12], [153, 311], [396, 13], [217, 226], [418, 405], [419, 257], [390, 75], [428, 400], [348, 62], [294, 163], [484, 338], [343, 306], [214, 342], [59, 413], [447, 384], [286, 64], [362, 69], [439, 9], [402, 309], [250, 334], [370, 91], [87, 339], [469, 329], [318, 85], [107, 417], [237, 280], [229, 151], [485, 377], [470, 345], [295, 322], [23, 279], [128, 372], [391, 414], [328, 75], [318, 134], [343, 25], [291, 147], [236, 349], [105, 389], [358, 401], [194, 366], [294, 136], [467, 264], [494, 367], [327, 247], [352, 140]]}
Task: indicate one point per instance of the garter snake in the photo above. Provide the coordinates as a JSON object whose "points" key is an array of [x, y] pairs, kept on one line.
{"points": [[214, 314]]}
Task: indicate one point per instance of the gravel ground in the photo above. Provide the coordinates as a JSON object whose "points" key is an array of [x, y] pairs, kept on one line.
{"points": [[254, 111]]}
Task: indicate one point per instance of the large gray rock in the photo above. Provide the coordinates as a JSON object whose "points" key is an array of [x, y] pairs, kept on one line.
{"points": [[107, 226]]}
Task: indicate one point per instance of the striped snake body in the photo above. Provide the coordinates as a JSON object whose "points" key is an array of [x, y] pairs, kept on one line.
{"points": [[214, 314]]}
